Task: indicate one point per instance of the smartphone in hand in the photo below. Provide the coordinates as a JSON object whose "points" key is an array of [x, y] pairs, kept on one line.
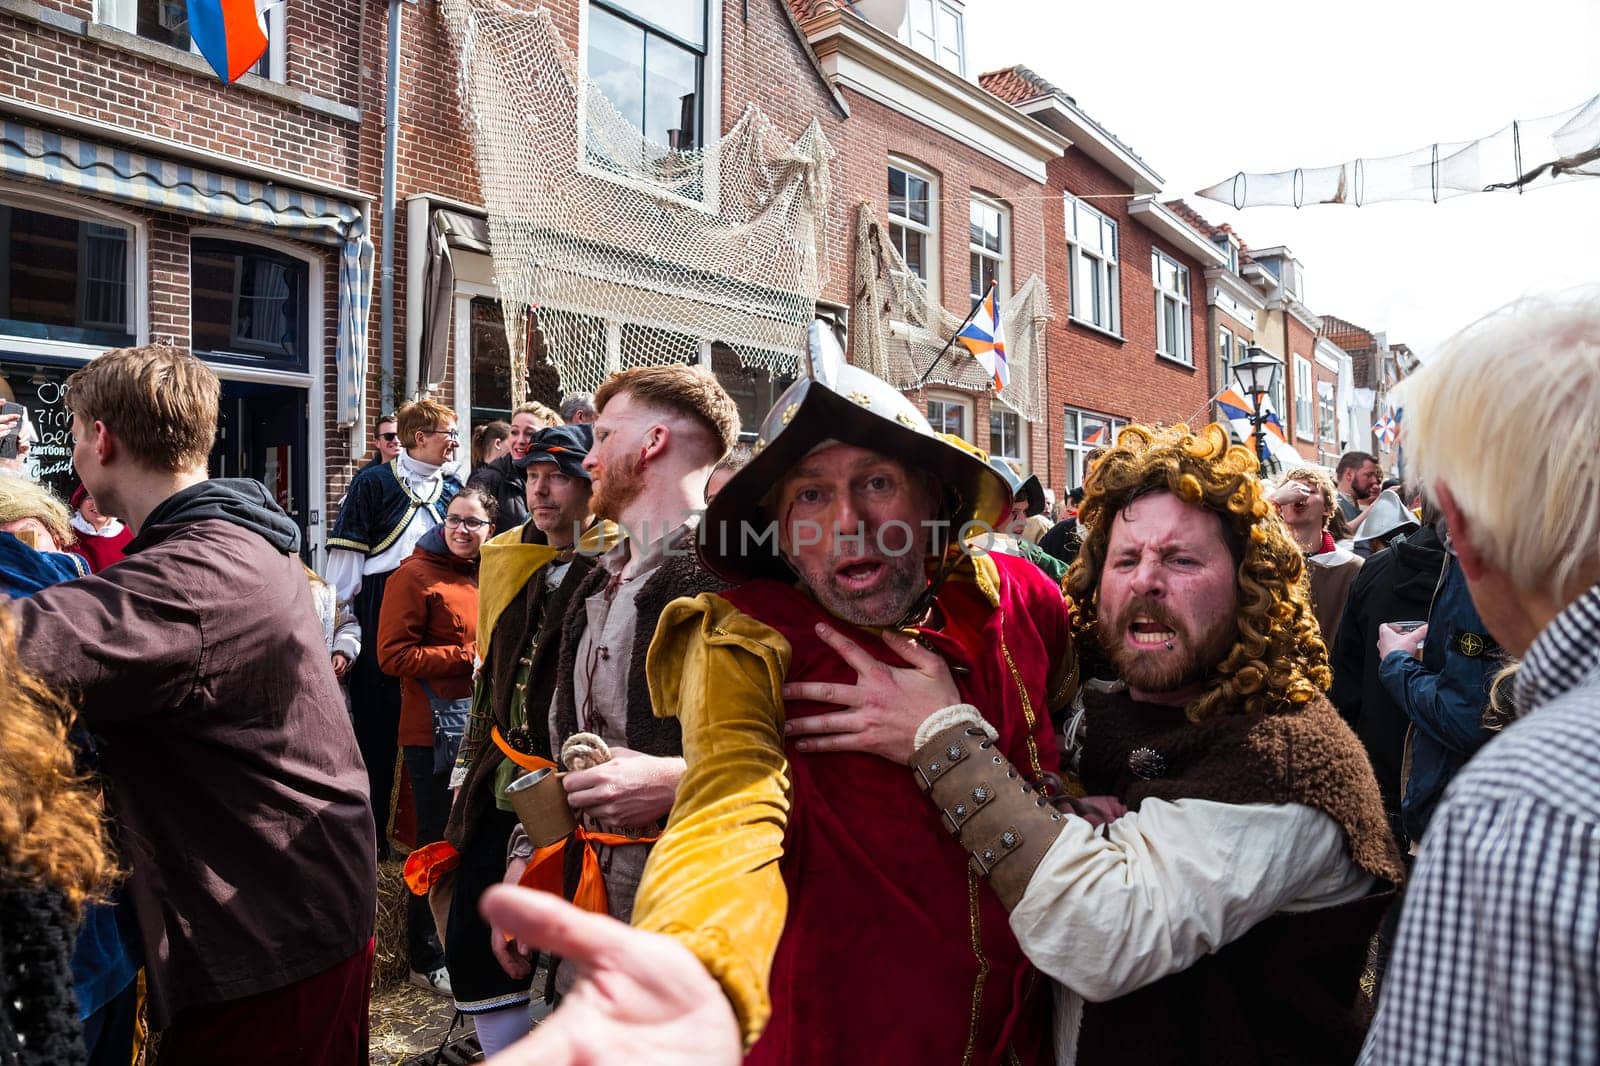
{"points": [[10, 443]]}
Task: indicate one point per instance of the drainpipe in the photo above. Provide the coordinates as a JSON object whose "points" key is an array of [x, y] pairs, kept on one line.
{"points": [[391, 124]]}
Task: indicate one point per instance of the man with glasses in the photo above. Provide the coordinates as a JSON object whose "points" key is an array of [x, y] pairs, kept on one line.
{"points": [[385, 442], [386, 511]]}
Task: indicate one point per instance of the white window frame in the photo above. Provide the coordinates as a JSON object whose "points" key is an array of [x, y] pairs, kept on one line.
{"points": [[124, 15], [1224, 357], [1304, 399], [953, 399], [1327, 406], [1019, 450], [66, 206], [930, 231], [1179, 349], [1002, 258], [1072, 437], [937, 48], [710, 125], [1104, 264]]}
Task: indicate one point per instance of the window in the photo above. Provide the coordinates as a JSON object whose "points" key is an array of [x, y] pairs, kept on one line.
{"points": [[1327, 427], [1304, 427], [1227, 247], [1005, 434], [1086, 431], [650, 61], [1224, 358], [65, 279], [948, 416], [911, 218], [167, 22], [935, 29], [1092, 255], [1173, 324], [248, 304], [988, 249]]}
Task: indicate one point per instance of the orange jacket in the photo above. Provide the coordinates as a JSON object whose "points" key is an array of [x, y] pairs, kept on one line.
{"points": [[428, 630]]}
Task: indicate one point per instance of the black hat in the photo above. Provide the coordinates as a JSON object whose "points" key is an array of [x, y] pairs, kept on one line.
{"points": [[566, 446], [1021, 488], [847, 405]]}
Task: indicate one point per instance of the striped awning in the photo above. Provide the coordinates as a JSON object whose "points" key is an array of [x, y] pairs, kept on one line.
{"points": [[137, 180]]}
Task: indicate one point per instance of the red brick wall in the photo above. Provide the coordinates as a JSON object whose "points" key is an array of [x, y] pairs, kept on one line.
{"points": [[1095, 372], [871, 136]]}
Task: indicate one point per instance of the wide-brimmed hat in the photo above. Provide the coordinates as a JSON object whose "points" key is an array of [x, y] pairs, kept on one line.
{"points": [[1027, 488], [1387, 516], [566, 446], [842, 405]]}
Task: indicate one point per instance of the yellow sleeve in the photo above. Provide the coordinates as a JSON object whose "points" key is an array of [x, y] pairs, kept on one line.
{"points": [[712, 880]]}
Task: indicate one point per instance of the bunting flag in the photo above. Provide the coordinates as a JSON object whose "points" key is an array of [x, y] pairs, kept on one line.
{"points": [[230, 34], [985, 338], [1388, 427]]}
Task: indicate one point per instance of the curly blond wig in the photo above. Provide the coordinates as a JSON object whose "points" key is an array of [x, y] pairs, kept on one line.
{"points": [[51, 831], [1279, 660]]}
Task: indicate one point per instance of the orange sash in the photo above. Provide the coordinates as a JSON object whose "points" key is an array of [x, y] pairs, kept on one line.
{"points": [[545, 868], [527, 762]]}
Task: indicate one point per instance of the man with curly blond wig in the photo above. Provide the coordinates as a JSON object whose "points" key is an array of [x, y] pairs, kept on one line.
{"points": [[1220, 892]]}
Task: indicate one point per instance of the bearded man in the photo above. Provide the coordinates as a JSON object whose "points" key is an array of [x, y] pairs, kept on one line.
{"points": [[1224, 916], [824, 878]]}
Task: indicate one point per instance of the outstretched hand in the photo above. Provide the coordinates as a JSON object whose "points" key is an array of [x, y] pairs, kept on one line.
{"points": [[883, 709], [640, 997]]}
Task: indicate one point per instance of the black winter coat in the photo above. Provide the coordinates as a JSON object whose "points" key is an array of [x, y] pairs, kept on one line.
{"points": [[1393, 586]]}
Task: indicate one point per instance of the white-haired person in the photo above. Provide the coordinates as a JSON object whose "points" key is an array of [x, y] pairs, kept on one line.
{"points": [[1498, 957]]}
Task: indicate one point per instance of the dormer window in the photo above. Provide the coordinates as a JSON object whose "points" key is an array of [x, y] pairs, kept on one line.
{"points": [[934, 28], [1230, 248]]}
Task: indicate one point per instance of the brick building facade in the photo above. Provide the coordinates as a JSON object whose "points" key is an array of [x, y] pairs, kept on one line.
{"points": [[129, 170]]}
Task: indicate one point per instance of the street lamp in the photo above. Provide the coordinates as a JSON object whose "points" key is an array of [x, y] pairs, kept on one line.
{"points": [[1257, 375]]}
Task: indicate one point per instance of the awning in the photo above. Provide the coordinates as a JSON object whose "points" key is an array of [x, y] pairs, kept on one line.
{"points": [[446, 229], [130, 178]]}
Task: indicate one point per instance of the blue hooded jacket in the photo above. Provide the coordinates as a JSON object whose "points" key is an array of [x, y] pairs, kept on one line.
{"points": [[1444, 694]]}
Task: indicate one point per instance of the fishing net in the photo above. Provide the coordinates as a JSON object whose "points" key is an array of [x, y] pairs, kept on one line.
{"points": [[898, 328], [632, 253]]}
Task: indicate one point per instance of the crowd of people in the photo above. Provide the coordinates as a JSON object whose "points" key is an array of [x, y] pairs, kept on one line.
{"points": [[844, 745]]}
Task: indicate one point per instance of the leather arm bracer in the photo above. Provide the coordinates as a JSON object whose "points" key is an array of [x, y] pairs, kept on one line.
{"points": [[1004, 825]]}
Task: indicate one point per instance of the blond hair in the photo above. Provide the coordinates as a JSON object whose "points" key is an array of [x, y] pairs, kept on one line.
{"points": [[419, 416], [1318, 479], [21, 498], [51, 829], [682, 390], [1507, 416], [160, 402], [544, 417]]}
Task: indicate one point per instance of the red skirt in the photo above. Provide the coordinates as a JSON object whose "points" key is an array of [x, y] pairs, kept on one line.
{"points": [[318, 1021]]}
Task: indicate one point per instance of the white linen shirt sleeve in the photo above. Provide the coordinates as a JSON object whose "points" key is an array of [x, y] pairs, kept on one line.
{"points": [[1110, 910], [344, 569]]}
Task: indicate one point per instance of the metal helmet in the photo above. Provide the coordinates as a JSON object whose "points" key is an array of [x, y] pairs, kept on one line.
{"points": [[1388, 516], [836, 403]]}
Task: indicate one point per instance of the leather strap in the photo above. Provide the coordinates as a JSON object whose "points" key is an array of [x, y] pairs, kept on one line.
{"points": [[1004, 825]]}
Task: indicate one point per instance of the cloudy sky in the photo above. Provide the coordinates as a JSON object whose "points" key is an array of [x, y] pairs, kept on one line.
{"points": [[1202, 94]]}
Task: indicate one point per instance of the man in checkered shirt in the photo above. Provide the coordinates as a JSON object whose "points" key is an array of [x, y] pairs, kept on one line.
{"points": [[1498, 959]]}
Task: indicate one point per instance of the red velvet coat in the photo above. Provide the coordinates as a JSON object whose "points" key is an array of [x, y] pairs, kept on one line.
{"points": [[893, 951]]}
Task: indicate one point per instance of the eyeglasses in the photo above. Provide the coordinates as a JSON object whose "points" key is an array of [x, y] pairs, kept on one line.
{"points": [[455, 521], [453, 434], [390, 437]]}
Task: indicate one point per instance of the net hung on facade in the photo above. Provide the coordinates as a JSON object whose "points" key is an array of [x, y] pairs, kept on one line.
{"points": [[630, 252]]}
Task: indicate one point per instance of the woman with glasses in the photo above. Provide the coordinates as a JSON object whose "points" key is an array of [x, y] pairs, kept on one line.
{"points": [[427, 636]]}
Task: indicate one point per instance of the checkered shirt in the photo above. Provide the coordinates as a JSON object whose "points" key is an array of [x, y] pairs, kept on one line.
{"points": [[1498, 958]]}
